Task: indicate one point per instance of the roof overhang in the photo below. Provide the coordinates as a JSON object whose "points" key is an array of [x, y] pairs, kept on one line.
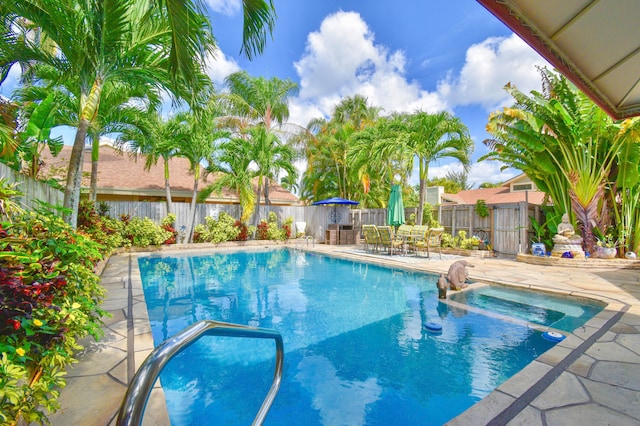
{"points": [[594, 43]]}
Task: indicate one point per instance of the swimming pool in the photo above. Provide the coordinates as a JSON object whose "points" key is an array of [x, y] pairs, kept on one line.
{"points": [[356, 350]]}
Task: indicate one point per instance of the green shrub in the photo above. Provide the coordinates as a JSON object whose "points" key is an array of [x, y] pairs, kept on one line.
{"points": [[217, 231], [481, 208], [143, 232], [460, 241], [447, 241], [270, 230]]}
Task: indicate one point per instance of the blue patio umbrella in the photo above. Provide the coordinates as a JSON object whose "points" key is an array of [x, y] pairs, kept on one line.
{"points": [[336, 201], [395, 209]]}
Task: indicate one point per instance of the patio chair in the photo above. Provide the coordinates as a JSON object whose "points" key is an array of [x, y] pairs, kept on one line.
{"points": [[417, 237], [435, 240], [371, 237], [403, 234], [387, 240]]}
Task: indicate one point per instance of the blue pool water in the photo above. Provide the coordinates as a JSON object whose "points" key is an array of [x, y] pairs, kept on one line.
{"points": [[356, 350]]}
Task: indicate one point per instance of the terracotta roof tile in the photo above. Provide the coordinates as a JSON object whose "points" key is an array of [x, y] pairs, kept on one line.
{"points": [[498, 195], [125, 174]]}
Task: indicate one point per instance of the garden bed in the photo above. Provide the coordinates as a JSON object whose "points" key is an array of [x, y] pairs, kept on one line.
{"points": [[579, 263], [481, 254]]}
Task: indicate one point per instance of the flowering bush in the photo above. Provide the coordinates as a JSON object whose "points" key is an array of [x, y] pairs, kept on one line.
{"points": [[243, 234], [269, 229], [49, 299], [168, 224]]}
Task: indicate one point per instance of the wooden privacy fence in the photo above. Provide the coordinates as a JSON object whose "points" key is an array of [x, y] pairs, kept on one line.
{"points": [[506, 228], [33, 190], [378, 217], [317, 218]]}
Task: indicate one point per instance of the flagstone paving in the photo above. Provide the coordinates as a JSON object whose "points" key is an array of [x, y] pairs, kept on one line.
{"points": [[591, 377]]}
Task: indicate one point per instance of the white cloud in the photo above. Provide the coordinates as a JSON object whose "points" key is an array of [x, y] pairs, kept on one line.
{"points": [[219, 67], [225, 7], [488, 67], [341, 59]]}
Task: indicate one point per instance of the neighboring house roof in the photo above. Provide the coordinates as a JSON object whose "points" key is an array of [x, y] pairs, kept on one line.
{"points": [[512, 191], [502, 194], [122, 174]]}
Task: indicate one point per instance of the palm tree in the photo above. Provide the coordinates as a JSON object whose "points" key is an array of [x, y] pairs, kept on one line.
{"points": [[431, 137], [329, 171], [379, 154], [116, 114], [153, 138], [197, 136], [231, 164], [257, 101], [140, 41], [271, 156]]}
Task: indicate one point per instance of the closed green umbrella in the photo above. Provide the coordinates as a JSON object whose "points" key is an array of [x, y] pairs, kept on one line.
{"points": [[395, 210]]}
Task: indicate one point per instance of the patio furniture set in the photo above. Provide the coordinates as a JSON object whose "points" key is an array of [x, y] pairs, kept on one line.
{"points": [[405, 240]]}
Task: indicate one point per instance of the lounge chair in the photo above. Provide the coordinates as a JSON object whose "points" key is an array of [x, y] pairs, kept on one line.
{"points": [[371, 237], [387, 240]]}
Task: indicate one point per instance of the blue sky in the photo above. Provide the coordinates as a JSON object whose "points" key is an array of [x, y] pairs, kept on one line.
{"points": [[403, 55]]}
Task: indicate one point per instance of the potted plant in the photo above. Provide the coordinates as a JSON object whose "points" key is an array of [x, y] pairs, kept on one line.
{"points": [[538, 248], [606, 245]]}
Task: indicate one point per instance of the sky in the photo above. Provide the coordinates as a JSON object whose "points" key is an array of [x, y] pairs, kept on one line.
{"points": [[403, 56]]}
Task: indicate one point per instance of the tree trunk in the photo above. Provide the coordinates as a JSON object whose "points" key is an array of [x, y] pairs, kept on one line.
{"points": [[423, 171], [95, 156], [167, 186], [192, 212], [74, 175], [266, 192], [257, 215], [421, 197]]}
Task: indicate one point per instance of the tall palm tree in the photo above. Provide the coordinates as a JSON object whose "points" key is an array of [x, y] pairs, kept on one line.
{"points": [[125, 41], [271, 156], [155, 139], [329, 171], [260, 102], [116, 114], [431, 137], [197, 135], [163, 43], [379, 154]]}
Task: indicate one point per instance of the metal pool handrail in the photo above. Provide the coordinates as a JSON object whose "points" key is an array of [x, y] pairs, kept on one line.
{"points": [[135, 400]]}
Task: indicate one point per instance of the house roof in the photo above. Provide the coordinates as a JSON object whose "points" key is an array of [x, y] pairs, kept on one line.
{"points": [[595, 44], [122, 174], [498, 195]]}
